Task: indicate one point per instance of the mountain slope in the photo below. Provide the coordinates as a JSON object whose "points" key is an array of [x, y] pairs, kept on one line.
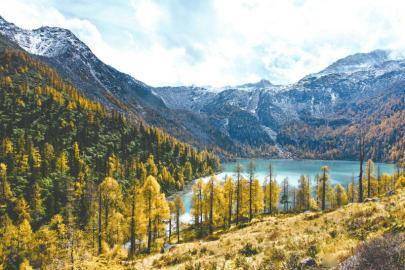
{"points": [[255, 119], [330, 104], [75, 62], [38, 108]]}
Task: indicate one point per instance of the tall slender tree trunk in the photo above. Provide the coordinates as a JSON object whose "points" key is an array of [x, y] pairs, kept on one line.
{"points": [[369, 181], [149, 224], [237, 193], [270, 189], [70, 223], [378, 180], [178, 225], [324, 190], [353, 187], [211, 206], [317, 189], [100, 209], [133, 247], [200, 210], [361, 157], [293, 204], [309, 193], [230, 208], [250, 198], [170, 229], [287, 192], [251, 176], [106, 210]]}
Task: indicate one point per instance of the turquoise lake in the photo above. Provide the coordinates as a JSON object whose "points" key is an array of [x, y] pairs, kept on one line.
{"points": [[341, 171]]}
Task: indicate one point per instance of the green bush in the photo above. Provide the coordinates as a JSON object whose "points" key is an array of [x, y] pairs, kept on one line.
{"points": [[248, 250]]}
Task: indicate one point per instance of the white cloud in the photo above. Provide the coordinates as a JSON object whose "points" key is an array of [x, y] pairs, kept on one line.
{"points": [[148, 14], [222, 42]]}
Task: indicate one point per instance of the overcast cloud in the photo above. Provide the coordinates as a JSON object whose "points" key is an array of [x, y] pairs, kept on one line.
{"points": [[220, 42]]}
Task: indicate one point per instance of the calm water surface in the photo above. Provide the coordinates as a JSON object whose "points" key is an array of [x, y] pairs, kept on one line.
{"points": [[340, 172]]}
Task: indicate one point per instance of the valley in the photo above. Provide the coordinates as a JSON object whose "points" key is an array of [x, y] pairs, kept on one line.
{"points": [[99, 170]]}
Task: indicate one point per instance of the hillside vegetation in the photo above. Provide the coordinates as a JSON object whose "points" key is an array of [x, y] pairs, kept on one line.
{"points": [[75, 176], [282, 241]]}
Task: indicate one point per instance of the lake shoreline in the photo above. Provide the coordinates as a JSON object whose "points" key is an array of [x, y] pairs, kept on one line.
{"points": [[341, 171]]}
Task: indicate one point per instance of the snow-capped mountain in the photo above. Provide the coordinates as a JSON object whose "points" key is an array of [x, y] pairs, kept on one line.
{"points": [[62, 50], [44, 41], [250, 119], [75, 61], [357, 62], [267, 109]]}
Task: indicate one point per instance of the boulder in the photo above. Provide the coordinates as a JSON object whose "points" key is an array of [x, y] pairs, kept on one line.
{"points": [[166, 247], [308, 262], [375, 199]]}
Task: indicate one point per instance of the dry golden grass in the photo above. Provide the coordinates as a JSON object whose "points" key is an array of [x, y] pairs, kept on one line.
{"points": [[281, 241], [278, 242]]}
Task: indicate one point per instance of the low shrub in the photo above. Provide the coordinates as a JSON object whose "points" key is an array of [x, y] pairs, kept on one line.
{"points": [[213, 237], [278, 254], [333, 233], [383, 253], [313, 251], [248, 250], [172, 259], [242, 263], [293, 261]]}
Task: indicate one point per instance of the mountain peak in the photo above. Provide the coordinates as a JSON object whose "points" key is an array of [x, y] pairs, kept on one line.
{"points": [[358, 61], [44, 41], [4, 24]]}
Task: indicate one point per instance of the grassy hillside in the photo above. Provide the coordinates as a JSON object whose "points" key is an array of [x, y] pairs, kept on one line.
{"points": [[283, 241]]}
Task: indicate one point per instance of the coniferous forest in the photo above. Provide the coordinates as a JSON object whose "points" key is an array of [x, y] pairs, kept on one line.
{"points": [[75, 174]]}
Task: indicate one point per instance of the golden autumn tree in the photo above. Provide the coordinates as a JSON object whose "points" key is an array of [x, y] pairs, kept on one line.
{"points": [[341, 195], [111, 198], [151, 197], [228, 191], [179, 210], [197, 205], [257, 198], [272, 193]]}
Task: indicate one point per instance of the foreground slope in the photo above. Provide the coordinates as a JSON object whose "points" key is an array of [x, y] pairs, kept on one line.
{"points": [[283, 241]]}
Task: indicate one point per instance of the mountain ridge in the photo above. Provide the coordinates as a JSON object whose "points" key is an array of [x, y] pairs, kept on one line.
{"points": [[252, 119]]}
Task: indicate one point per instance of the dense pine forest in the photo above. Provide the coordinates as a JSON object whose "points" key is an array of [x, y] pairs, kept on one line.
{"points": [[71, 171]]}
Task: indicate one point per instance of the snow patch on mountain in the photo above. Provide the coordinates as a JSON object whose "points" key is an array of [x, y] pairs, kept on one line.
{"points": [[44, 41]]}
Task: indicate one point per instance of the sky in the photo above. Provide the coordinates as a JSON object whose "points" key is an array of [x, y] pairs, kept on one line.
{"points": [[220, 42]]}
